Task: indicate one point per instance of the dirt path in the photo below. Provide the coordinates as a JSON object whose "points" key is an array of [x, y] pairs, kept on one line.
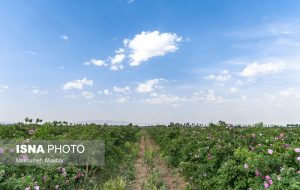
{"points": [[140, 168], [171, 179]]}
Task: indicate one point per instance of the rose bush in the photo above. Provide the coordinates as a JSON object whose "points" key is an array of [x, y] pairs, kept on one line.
{"points": [[221, 156], [120, 151]]}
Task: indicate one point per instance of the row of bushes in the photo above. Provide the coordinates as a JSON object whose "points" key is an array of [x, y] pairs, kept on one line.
{"points": [[227, 157], [120, 151]]}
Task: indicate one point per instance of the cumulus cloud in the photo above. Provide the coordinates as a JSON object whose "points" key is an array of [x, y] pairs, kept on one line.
{"points": [[120, 50], [148, 86], [64, 37], [233, 90], [284, 96], [209, 97], [37, 91], [87, 95], [117, 60], [3, 87], [122, 100], [151, 44], [106, 92], [223, 76], [33, 53], [239, 83], [286, 93], [78, 84], [141, 48], [164, 99], [123, 90], [153, 94], [256, 69], [97, 62]]}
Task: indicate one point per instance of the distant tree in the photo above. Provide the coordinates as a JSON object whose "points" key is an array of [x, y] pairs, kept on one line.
{"points": [[260, 124], [37, 121], [222, 123], [28, 120], [171, 124], [54, 123]]}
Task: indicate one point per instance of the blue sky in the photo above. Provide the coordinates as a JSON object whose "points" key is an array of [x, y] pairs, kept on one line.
{"points": [[150, 61]]}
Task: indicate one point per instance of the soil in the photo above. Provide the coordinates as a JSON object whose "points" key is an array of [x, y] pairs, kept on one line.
{"points": [[140, 168], [172, 179]]}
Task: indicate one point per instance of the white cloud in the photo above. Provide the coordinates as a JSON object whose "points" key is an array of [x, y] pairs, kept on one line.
{"points": [[87, 95], [117, 60], [285, 97], [122, 100], [78, 84], [256, 69], [164, 99], [239, 83], [148, 86], [237, 61], [153, 94], [116, 67], [84, 94], [33, 53], [151, 44], [106, 92], [287, 93], [97, 62], [233, 90], [208, 97], [223, 76], [64, 37], [37, 91], [71, 96], [3, 87], [120, 50], [130, 1], [123, 90], [141, 48]]}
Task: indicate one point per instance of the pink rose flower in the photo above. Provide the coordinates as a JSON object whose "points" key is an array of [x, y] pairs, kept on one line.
{"points": [[270, 181], [44, 178], [24, 156], [285, 146], [297, 150], [270, 151], [268, 177], [30, 132], [266, 185], [257, 173], [209, 157], [1, 151]]}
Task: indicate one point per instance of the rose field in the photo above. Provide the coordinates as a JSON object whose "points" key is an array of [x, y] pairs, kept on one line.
{"points": [[217, 156]]}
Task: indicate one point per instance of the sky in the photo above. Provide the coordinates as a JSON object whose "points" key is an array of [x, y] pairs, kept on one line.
{"points": [[150, 61]]}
